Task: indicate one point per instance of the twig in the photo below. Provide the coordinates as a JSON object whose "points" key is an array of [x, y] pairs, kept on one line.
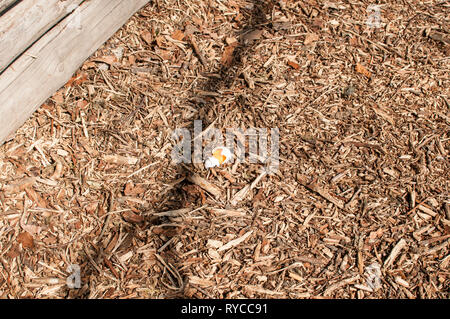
{"points": [[172, 270], [314, 187], [142, 169], [92, 260], [417, 206], [340, 284], [206, 185], [110, 207], [197, 50], [382, 46], [394, 253]]}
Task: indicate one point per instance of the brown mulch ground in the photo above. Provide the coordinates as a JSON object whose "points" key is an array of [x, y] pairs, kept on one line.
{"points": [[363, 115]]}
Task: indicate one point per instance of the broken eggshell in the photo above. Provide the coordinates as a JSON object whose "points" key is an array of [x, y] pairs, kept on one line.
{"points": [[220, 155]]}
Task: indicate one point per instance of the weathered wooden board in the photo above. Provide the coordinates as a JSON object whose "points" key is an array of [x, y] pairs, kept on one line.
{"points": [[27, 22], [51, 61], [5, 4]]}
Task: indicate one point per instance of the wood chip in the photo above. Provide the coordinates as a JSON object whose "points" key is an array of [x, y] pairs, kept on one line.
{"points": [[253, 35], [26, 240], [293, 64], [322, 191], [340, 284], [206, 185], [310, 38], [260, 290], [194, 280], [20, 185], [235, 242], [132, 217], [227, 56], [394, 253], [361, 69], [119, 159], [239, 196]]}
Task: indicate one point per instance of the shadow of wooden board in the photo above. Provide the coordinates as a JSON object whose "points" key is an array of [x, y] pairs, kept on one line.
{"points": [[64, 35]]}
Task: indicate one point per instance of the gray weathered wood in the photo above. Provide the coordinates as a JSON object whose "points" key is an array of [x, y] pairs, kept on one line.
{"points": [[53, 59], [26, 22], [4, 4]]}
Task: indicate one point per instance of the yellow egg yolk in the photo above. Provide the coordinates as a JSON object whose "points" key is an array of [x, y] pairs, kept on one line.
{"points": [[218, 154]]}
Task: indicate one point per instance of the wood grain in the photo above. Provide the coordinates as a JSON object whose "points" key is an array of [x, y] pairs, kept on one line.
{"points": [[27, 22], [4, 4]]}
